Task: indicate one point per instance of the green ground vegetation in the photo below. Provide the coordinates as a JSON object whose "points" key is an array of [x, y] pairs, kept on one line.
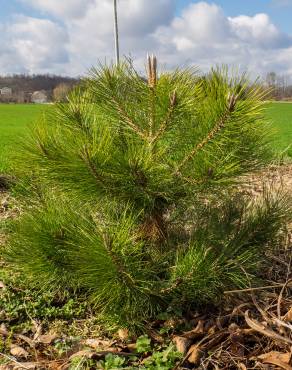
{"points": [[280, 114], [14, 122]]}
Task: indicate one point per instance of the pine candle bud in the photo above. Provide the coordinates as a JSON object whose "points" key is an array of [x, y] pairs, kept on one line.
{"points": [[231, 101], [152, 70]]}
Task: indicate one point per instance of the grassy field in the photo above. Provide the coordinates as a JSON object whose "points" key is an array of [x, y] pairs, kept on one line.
{"points": [[280, 114], [15, 120]]}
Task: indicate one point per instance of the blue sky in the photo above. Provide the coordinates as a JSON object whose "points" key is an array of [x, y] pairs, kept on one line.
{"points": [[69, 36], [10, 7]]}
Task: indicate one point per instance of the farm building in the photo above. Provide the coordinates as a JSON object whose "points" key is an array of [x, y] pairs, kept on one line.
{"points": [[39, 97], [6, 91]]}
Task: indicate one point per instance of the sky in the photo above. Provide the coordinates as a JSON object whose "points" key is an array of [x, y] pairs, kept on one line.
{"points": [[68, 37]]}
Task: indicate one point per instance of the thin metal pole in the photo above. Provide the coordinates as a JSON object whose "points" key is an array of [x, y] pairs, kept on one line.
{"points": [[116, 33]]}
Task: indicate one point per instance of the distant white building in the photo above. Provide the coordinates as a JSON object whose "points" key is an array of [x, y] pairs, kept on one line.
{"points": [[6, 91], [39, 97]]}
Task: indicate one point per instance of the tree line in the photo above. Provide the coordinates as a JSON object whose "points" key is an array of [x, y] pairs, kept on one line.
{"points": [[23, 86], [57, 87], [280, 85]]}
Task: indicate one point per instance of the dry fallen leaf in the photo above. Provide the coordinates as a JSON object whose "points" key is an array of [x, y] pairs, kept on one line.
{"points": [[2, 285], [194, 355], [212, 330], [37, 329], [123, 334], [198, 331], [26, 366], [18, 351], [279, 363], [284, 357], [98, 343], [277, 358], [182, 344], [47, 338], [82, 354], [288, 316], [3, 330], [261, 328], [132, 347], [26, 339]]}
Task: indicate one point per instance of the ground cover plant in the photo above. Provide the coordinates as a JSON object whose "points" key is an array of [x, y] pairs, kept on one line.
{"points": [[133, 200]]}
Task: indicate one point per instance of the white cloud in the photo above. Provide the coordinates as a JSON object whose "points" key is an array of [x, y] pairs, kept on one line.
{"points": [[259, 31], [82, 34], [92, 35], [33, 45], [203, 35], [202, 23]]}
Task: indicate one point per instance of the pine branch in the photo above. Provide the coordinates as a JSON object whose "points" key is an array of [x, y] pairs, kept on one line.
{"points": [[231, 103], [91, 166], [129, 121], [164, 124], [191, 181], [116, 261], [39, 142], [42, 147], [177, 282]]}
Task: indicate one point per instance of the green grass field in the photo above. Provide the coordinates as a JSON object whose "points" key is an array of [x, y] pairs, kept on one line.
{"points": [[15, 120], [280, 114]]}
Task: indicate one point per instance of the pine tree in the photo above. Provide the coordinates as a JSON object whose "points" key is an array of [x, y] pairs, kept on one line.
{"points": [[134, 197]]}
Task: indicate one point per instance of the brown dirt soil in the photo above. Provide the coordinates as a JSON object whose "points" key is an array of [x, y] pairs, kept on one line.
{"points": [[279, 177]]}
